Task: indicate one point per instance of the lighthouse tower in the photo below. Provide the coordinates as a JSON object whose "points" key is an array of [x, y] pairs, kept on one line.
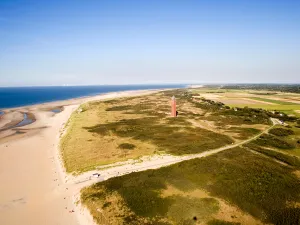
{"points": [[173, 107]]}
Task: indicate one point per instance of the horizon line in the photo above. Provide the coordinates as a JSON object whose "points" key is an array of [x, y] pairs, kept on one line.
{"points": [[159, 84]]}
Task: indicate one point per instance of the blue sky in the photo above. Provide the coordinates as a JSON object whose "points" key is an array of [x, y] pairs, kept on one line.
{"points": [[131, 42]]}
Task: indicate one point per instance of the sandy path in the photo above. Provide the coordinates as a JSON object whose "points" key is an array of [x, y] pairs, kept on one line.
{"points": [[146, 163]]}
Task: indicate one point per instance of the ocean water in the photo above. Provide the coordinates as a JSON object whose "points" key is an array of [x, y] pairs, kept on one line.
{"points": [[21, 96]]}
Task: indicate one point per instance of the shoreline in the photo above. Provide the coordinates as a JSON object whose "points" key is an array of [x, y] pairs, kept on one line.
{"points": [[85, 97], [35, 190]]}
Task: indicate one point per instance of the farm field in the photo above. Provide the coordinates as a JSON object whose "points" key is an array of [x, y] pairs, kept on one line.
{"points": [[288, 103]]}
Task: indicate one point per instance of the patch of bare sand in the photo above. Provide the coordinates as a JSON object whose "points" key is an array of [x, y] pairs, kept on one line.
{"points": [[226, 212], [210, 96], [208, 125], [297, 173], [10, 119], [191, 108]]}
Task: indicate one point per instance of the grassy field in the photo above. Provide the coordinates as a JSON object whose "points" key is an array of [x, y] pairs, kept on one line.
{"points": [[288, 109], [238, 98], [115, 130], [201, 191], [273, 101]]}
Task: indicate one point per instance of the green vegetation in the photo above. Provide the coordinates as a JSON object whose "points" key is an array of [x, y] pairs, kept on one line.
{"points": [[127, 146], [259, 186], [272, 141], [293, 88], [97, 131], [171, 139], [287, 109], [221, 222], [244, 133], [256, 181], [281, 132], [273, 101], [263, 93], [287, 159]]}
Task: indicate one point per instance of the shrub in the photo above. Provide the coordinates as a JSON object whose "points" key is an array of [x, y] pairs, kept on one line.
{"points": [[270, 140], [221, 222], [126, 146], [119, 108], [288, 159], [281, 132], [258, 186], [172, 139]]}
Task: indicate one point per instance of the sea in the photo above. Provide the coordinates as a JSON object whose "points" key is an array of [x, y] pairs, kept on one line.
{"points": [[11, 97]]}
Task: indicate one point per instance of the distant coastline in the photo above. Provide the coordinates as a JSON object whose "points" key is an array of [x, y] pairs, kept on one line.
{"points": [[11, 97]]}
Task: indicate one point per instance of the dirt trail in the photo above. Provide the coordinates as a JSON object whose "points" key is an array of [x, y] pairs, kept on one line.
{"points": [[146, 163]]}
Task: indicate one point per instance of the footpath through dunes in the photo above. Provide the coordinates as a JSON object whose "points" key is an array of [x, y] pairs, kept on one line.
{"points": [[75, 184], [106, 132], [149, 162], [232, 187]]}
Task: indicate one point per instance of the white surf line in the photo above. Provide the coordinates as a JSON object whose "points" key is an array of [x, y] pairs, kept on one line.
{"points": [[154, 162]]}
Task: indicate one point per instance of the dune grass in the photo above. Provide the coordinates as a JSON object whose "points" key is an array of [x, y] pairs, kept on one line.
{"points": [[280, 138], [261, 187], [177, 139], [285, 158], [221, 222], [244, 132], [272, 141], [96, 132], [281, 132]]}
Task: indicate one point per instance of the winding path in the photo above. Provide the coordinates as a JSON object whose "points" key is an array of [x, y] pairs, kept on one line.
{"points": [[153, 162]]}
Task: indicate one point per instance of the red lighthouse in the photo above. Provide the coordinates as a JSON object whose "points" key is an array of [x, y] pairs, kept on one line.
{"points": [[173, 107]]}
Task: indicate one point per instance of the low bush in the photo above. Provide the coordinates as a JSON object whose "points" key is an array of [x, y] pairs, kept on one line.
{"points": [[119, 108], [244, 133], [281, 132], [126, 146], [256, 185], [271, 141], [288, 159], [221, 222], [175, 139]]}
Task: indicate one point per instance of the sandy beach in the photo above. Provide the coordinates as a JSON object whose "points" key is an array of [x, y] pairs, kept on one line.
{"points": [[33, 186]]}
